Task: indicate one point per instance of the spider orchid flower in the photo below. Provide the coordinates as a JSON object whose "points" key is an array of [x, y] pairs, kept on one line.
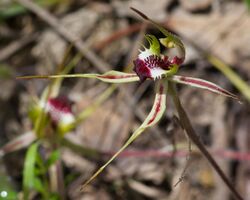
{"points": [[57, 109], [153, 66], [150, 64], [60, 113], [56, 112]]}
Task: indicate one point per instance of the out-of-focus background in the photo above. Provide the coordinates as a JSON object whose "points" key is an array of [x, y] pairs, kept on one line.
{"points": [[107, 35]]}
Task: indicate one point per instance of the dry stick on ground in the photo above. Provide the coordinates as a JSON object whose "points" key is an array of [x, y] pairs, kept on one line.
{"points": [[196, 140], [65, 33], [15, 46], [118, 34]]}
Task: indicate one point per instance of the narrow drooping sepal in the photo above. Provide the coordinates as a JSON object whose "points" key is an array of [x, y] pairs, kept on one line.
{"points": [[153, 117], [203, 84], [109, 77]]}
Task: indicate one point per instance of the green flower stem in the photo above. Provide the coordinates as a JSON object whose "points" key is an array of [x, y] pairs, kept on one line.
{"points": [[186, 124]]}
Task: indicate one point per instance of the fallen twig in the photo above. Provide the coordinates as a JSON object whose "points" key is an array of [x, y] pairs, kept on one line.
{"points": [[15, 46], [65, 33]]}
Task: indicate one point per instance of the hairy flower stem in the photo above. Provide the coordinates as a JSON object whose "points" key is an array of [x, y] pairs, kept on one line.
{"points": [[186, 124]]}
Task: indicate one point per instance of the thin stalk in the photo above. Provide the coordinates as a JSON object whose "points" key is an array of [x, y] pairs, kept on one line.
{"points": [[196, 140]]}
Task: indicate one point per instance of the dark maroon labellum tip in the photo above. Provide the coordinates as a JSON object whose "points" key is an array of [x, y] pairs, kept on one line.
{"points": [[151, 67], [59, 109], [141, 70], [61, 104]]}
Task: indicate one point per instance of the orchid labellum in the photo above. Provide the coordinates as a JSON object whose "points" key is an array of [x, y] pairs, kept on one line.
{"points": [[151, 65]]}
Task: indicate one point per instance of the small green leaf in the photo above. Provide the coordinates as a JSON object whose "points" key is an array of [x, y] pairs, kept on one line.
{"points": [[248, 4], [5, 71], [7, 188], [54, 156], [29, 169], [153, 117], [14, 9], [38, 185], [54, 196]]}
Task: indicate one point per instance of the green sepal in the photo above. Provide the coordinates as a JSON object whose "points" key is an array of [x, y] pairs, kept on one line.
{"points": [[154, 45], [153, 117], [63, 128], [174, 69], [171, 39]]}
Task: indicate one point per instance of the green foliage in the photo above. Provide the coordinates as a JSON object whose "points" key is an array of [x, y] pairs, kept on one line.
{"points": [[54, 156], [14, 9], [29, 169], [6, 188], [35, 172], [248, 4], [5, 71]]}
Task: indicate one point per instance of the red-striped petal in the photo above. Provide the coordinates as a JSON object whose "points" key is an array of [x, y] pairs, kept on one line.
{"points": [[203, 84]]}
